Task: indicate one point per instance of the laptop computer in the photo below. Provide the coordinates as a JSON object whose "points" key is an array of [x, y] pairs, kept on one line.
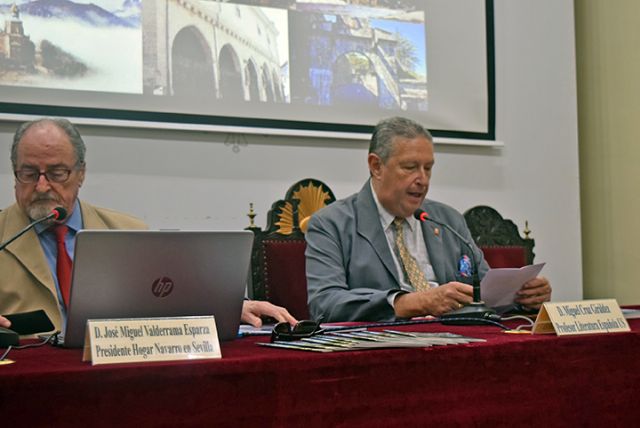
{"points": [[158, 273]]}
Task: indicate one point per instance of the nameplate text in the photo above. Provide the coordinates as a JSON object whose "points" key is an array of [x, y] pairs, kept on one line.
{"points": [[580, 317], [134, 340]]}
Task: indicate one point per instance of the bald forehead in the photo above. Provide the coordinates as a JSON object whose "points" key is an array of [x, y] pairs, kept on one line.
{"points": [[44, 126], [45, 141]]}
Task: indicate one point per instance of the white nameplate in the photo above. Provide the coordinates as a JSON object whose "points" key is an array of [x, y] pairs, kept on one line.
{"points": [[581, 317], [150, 339]]}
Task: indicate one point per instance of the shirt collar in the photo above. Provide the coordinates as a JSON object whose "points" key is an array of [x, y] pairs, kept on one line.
{"points": [[387, 218]]}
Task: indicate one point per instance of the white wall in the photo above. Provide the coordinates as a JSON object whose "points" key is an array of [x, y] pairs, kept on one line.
{"points": [[193, 180]]}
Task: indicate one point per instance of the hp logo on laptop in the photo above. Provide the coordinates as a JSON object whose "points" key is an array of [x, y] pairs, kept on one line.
{"points": [[162, 287]]}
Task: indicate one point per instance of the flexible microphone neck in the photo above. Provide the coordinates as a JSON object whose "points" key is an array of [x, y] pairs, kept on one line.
{"points": [[423, 216], [476, 312], [58, 213]]}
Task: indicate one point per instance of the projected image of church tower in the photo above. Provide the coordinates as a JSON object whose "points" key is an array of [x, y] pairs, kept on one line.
{"points": [[17, 51]]}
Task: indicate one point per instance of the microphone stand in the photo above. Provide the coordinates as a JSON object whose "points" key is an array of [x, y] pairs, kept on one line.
{"points": [[29, 227], [476, 312]]}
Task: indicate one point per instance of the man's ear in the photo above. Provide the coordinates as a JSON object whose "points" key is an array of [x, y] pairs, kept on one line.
{"points": [[375, 165], [81, 172]]}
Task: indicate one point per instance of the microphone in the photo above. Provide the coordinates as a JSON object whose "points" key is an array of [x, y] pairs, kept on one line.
{"points": [[58, 213], [476, 312]]}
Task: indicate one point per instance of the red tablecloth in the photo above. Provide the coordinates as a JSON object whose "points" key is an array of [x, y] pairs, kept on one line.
{"points": [[509, 380]]}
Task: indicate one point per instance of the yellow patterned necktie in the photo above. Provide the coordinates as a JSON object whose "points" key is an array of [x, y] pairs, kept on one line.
{"points": [[414, 273]]}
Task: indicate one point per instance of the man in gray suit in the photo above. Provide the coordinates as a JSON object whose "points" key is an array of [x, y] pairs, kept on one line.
{"points": [[369, 259]]}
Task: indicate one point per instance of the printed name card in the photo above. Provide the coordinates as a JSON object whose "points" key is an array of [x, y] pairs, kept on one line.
{"points": [[582, 317], [150, 339]]}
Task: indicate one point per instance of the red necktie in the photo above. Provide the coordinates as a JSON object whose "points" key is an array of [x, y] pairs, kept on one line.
{"points": [[63, 264]]}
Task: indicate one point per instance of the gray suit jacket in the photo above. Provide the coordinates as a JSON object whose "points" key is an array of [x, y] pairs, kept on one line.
{"points": [[350, 269]]}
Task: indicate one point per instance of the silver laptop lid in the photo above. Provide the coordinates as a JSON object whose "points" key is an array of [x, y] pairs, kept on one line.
{"points": [[151, 273]]}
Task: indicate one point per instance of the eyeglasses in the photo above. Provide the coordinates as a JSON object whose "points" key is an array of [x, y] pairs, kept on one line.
{"points": [[304, 328], [54, 175]]}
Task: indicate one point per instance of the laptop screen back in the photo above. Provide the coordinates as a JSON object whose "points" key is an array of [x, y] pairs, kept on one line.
{"points": [[148, 273]]}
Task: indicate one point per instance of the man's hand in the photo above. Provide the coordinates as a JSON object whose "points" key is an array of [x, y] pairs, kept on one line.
{"points": [[534, 293], [252, 310], [435, 301], [4, 322]]}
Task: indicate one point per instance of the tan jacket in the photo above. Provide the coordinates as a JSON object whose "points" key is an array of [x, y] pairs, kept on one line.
{"points": [[26, 282]]}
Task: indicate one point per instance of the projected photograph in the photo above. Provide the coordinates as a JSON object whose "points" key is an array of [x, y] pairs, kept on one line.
{"points": [[365, 53], [75, 45], [355, 58], [216, 50], [299, 65], [390, 9], [396, 5]]}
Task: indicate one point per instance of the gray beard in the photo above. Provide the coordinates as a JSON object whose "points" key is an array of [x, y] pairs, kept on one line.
{"points": [[40, 209]]}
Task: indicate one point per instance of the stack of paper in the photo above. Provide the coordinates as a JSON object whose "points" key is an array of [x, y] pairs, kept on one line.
{"points": [[364, 339]]}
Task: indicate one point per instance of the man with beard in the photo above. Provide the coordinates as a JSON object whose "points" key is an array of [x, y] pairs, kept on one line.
{"points": [[48, 160], [369, 259]]}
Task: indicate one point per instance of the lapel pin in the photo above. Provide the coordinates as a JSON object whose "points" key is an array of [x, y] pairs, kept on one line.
{"points": [[436, 231]]}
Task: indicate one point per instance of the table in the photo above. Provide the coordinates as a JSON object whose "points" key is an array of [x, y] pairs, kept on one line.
{"points": [[509, 380]]}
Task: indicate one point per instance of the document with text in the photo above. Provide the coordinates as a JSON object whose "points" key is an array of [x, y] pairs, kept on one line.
{"points": [[499, 286]]}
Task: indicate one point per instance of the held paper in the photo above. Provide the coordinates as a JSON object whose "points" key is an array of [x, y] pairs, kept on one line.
{"points": [[499, 286]]}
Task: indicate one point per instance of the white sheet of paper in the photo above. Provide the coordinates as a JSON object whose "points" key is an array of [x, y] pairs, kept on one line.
{"points": [[499, 286]]}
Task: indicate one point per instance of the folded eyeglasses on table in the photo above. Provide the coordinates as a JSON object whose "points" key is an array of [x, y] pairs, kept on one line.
{"points": [[305, 328]]}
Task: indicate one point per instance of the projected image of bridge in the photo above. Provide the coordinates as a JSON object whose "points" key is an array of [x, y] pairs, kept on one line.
{"points": [[344, 60]]}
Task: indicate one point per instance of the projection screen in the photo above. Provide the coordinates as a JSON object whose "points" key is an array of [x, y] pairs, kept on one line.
{"points": [[318, 66]]}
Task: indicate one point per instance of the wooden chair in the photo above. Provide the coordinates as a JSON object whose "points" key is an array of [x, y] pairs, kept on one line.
{"points": [[277, 262], [499, 238]]}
